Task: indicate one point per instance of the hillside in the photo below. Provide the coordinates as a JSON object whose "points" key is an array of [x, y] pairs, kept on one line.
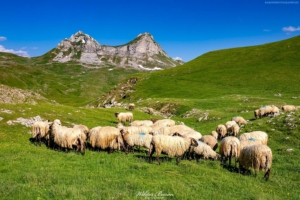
{"points": [[250, 76]]}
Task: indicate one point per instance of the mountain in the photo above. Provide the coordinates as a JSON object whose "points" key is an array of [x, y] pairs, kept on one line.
{"points": [[142, 53]]}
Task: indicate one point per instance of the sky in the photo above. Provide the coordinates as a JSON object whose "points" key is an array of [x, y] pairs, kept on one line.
{"points": [[185, 29]]}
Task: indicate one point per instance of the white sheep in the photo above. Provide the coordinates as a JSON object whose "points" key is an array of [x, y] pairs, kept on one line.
{"points": [[258, 157], [288, 108], [141, 123], [239, 120], [124, 116], [106, 138], [163, 122], [235, 130], [170, 130], [210, 141], [256, 113], [203, 150], [131, 106], [173, 146], [229, 125], [256, 135], [214, 134], [265, 111], [133, 139], [221, 130], [40, 129], [249, 142], [67, 137], [85, 132], [229, 148]]}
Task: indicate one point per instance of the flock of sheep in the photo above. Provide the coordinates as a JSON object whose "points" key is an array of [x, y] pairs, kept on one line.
{"points": [[163, 136]]}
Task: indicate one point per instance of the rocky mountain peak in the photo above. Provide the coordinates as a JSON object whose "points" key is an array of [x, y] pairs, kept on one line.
{"points": [[141, 53]]}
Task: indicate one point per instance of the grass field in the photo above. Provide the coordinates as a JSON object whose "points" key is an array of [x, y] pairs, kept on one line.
{"points": [[223, 83]]}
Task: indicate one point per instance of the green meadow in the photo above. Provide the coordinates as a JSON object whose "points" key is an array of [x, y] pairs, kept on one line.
{"points": [[222, 83]]}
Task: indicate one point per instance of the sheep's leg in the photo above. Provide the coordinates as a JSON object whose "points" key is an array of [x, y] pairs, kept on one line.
{"points": [[178, 158], [197, 158], [151, 152], [267, 174], [157, 158], [110, 150], [229, 161]]}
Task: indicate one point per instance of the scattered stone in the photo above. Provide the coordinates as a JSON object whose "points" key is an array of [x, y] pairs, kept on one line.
{"points": [[6, 111], [289, 150], [1, 118], [26, 122]]}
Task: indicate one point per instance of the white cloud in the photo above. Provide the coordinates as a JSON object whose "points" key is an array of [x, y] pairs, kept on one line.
{"points": [[177, 58], [18, 52], [266, 30], [2, 38], [291, 29]]}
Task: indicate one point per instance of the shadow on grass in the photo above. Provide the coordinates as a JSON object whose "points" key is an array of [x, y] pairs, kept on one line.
{"points": [[233, 169], [147, 159]]}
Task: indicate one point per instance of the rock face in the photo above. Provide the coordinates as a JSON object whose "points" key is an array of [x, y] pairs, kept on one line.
{"points": [[141, 53]]}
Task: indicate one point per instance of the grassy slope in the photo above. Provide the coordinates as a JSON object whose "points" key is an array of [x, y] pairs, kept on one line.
{"points": [[259, 71], [32, 172], [65, 83]]}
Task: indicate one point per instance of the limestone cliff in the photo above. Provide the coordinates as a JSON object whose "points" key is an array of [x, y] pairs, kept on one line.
{"points": [[142, 53]]}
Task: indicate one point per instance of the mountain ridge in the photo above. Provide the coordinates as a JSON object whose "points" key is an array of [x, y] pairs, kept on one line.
{"points": [[142, 53]]}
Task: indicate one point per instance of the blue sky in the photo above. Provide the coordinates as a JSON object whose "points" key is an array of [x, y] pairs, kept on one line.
{"points": [[184, 29]]}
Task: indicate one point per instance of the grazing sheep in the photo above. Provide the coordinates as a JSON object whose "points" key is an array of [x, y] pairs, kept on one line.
{"points": [[150, 111], [288, 108], [124, 116], [214, 134], [239, 120], [249, 142], [40, 129], [275, 110], [265, 111], [229, 125], [106, 137], [235, 130], [210, 141], [258, 157], [194, 134], [141, 123], [256, 135], [164, 122], [256, 113], [141, 139], [131, 106], [173, 146], [85, 132], [203, 150], [166, 130], [229, 147], [221, 130], [67, 137]]}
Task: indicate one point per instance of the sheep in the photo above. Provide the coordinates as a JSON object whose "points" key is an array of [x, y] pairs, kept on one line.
{"points": [[203, 150], [210, 141], [106, 138], [194, 134], [221, 130], [264, 111], [249, 142], [235, 130], [67, 137], [257, 156], [85, 132], [141, 123], [131, 106], [239, 120], [150, 111], [214, 134], [182, 129], [164, 122], [229, 125], [288, 108], [40, 129], [124, 116], [131, 140], [275, 110], [256, 113], [229, 147], [256, 135], [173, 146]]}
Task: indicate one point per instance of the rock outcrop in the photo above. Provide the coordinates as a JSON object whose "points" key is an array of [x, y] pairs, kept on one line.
{"points": [[142, 53]]}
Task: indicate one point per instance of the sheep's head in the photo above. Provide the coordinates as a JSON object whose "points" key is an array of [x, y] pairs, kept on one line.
{"points": [[177, 134], [116, 114], [218, 157], [194, 143], [57, 121]]}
